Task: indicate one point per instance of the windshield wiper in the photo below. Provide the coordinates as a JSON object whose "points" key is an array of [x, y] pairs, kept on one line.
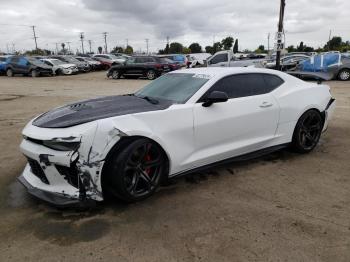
{"points": [[150, 99]]}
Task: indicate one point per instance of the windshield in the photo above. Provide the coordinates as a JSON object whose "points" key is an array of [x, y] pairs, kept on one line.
{"points": [[56, 62], [71, 59], [35, 61], [178, 87]]}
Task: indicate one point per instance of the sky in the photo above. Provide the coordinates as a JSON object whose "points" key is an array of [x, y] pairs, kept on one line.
{"points": [[184, 21]]}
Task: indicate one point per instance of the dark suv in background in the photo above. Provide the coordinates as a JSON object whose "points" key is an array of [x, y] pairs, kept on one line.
{"points": [[26, 66], [139, 66]]}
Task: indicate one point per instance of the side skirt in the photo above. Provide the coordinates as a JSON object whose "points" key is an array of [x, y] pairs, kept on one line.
{"points": [[245, 157]]}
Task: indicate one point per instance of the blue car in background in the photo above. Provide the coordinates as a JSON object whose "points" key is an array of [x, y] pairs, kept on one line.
{"points": [[3, 63], [327, 66], [177, 58]]}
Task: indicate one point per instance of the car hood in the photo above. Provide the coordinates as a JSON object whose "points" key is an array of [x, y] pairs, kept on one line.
{"points": [[94, 109]]}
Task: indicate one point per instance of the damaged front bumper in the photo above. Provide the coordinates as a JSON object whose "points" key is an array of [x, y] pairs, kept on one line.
{"points": [[65, 164], [56, 199]]}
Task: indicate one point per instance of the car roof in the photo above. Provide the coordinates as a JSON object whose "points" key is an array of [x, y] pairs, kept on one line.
{"points": [[220, 71]]}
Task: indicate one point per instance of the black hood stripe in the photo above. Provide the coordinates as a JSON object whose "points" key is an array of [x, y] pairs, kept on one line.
{"points": [[94, 109]]}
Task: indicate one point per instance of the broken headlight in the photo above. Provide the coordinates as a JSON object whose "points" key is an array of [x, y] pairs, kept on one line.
{"points": [[61, 146]]}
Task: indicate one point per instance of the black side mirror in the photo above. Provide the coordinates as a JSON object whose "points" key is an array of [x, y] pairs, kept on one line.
{"points": [[215, 97]]}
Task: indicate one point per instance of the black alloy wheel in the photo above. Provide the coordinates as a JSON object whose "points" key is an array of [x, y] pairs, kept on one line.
{"points": [[307, 131], [135, 172]]}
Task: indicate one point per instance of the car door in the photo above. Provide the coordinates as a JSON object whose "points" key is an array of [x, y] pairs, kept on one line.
{"points": [[23, 66], [130, 67], [245, 123]]}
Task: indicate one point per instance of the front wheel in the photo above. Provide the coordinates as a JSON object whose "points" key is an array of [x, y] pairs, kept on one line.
{"points": [[344, 75], [307, 131], [135, 172]]}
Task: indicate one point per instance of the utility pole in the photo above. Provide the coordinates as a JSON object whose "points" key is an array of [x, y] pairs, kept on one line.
{"points": [[13, 48], [56, 48], [105, 36], [7, 48], [268, 42], [82, 41], [280, 30], [127, 43], [89, 41], [35, 37], [147, 40]]}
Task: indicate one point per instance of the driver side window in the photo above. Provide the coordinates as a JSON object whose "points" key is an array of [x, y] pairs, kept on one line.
{"points": [[242, 85]]}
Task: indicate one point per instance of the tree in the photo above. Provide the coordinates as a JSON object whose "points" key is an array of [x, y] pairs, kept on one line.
{"points": [[166, 50], [195, 48], [100, 49], [186, 50], [335, 43], [300, 48], [260, 50], [291, 48], [217, 47], [227, 43], [235, 47], [118, 49], [209, 49], [175, 48], [129, 50], [63, 48]]}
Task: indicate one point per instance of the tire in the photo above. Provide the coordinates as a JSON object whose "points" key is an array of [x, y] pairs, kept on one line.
{"points": [[307, 131], [135, 172], [9, 72], [59, 72], [115, 74], [151, 74], [344, 74], [34, 73]]}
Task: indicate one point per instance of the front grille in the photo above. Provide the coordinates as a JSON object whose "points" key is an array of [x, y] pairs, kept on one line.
{"points": [[70, 174], [37, 170]]}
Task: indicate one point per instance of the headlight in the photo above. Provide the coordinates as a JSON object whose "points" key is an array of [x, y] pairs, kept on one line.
{"points": [[61, 146]]}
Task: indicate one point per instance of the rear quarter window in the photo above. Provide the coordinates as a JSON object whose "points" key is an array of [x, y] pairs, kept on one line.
{"points": [[272, 82]]}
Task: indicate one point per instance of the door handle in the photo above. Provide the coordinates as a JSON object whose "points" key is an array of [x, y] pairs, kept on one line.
{"points": [[265, 104]]}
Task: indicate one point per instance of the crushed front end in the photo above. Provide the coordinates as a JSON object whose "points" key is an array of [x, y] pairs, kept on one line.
{"points": [[64, 164]]}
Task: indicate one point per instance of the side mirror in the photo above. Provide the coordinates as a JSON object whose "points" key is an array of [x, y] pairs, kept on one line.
{"points": [[215, 97]]}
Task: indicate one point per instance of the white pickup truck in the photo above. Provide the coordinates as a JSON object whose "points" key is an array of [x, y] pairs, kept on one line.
{"points": [[227, 59]]}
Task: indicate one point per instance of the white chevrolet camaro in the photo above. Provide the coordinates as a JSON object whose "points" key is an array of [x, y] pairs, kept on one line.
{"points": [[184, 121]]}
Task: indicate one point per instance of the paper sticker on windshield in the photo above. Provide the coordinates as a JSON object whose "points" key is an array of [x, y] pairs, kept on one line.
{"points": [[204, 76]]}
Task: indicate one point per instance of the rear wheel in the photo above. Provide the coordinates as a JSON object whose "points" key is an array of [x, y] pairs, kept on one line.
{"points": [[9, 72], [151, 75], [344, 75], [307, 131], [115, 74], [34, 73], [135, 172]]}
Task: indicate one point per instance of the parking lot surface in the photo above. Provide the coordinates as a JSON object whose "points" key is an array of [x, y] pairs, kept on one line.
{"points": [[281, 207]]}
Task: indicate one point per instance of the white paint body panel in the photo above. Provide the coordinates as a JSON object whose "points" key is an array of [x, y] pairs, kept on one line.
{"points": [[190, 134]]}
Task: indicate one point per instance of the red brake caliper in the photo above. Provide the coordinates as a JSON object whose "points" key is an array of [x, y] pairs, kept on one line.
{"points": [[148, 158]]}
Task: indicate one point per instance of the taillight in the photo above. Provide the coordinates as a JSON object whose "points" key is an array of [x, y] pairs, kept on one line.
{"points": [[159, 66]]}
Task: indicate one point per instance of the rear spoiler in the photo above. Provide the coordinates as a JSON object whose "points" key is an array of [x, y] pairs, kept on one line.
{"points": [[317, 75]]}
